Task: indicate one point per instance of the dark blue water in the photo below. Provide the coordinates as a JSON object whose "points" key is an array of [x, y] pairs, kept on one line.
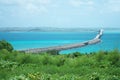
{"points": [[26, 40]]}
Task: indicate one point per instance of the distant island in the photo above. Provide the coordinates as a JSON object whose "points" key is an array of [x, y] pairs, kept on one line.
{"points": [[48, 29]]}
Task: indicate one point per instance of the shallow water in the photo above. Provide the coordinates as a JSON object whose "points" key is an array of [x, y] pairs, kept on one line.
{"points": [[26, 40]]}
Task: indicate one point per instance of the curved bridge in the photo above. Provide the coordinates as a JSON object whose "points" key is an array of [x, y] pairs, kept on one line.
{"points": [[68, 46]]}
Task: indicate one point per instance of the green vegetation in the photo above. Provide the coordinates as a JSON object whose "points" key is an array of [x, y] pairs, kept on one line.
{"points": [[5, 45], [100, 65], [53, 52], [97, 66]]}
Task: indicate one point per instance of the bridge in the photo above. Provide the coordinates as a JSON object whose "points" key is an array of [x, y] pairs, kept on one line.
{"points": [[67, 46]]}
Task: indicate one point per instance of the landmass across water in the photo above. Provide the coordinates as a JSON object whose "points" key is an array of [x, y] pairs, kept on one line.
{"points": [[52, 29]]}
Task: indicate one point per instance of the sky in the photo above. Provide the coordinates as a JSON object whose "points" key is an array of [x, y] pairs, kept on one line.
{"points": [[60, 13]]}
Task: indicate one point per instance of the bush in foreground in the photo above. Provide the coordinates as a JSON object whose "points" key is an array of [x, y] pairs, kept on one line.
{"points": [[97, 66], [5, 45]]}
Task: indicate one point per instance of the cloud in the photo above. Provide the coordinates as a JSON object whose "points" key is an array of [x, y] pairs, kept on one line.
{"points": [[22, 2], [106, 6], [78, 3], [111, 6], [114, 5], [35, 7], [30, 6]]}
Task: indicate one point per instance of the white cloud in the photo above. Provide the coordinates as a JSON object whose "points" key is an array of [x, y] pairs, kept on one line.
{"points": [[31, 6], [84, 7], [24, 1], [114, 5], [75, 3], [106, 6], [6, 2], [36, 5], [111, 6], [78, 3], [35, 8]]}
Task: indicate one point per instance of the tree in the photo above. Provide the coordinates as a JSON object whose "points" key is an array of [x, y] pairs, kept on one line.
{"points": [[5, 45], [53, 52]]}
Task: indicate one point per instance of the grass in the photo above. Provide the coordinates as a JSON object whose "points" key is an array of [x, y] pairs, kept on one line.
{"points": [[100, 65]]}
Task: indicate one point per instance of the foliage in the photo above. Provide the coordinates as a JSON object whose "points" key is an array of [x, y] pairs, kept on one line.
{"points": [[100, 56], [53, 52], [7, 64], [5, 45], [20, 77], [94, 76], [74, 55], [114, 57], [101, 65]]}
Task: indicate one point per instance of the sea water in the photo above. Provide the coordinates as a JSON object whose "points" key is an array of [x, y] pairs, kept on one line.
{"points": [[27, 40]]}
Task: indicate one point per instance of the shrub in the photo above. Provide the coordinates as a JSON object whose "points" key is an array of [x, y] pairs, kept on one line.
{"points": [[61, 61], [7, 65], [20, 77], [5, 45], [100, 56], [46, 59], [4, 54], [113, 78], [39, 76], [53, 52], [94, 76], [75, 54], [24, 59], [114, 57]]}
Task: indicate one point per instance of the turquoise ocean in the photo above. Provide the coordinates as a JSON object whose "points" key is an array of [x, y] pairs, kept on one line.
{"points": [[27, 40]]}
